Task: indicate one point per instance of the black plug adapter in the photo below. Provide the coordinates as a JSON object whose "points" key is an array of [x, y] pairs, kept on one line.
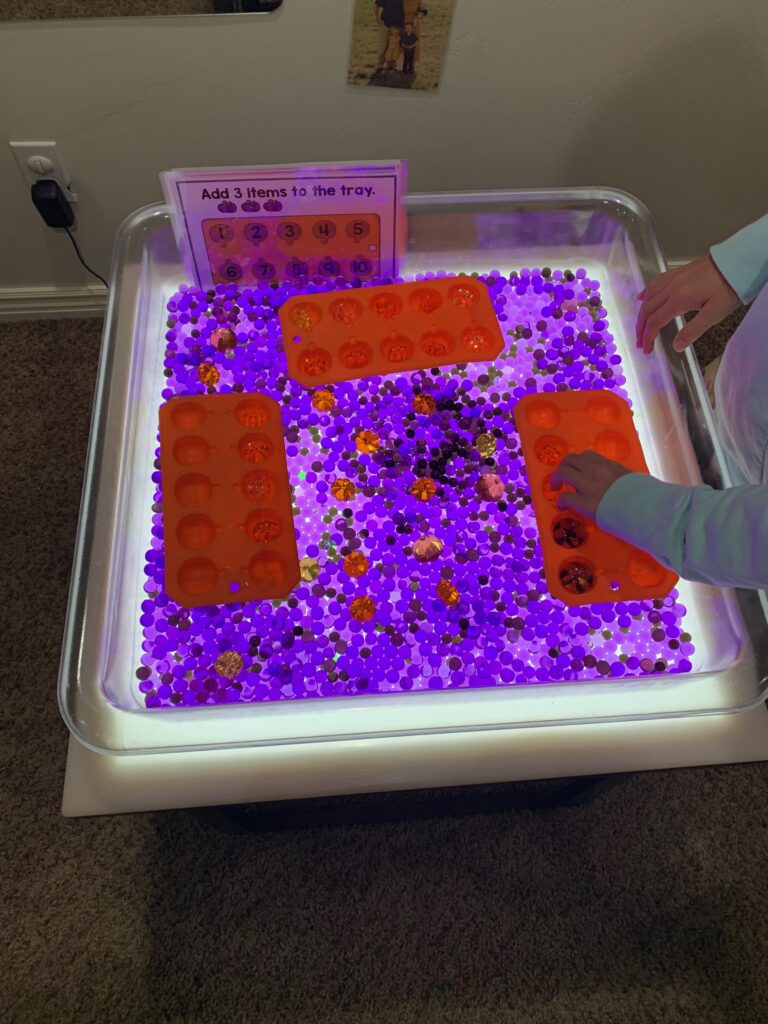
{"points": [[52, 205]]}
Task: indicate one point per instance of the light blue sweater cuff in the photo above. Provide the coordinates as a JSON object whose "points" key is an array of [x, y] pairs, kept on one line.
{"points": [[718, 537], [742, 259]]}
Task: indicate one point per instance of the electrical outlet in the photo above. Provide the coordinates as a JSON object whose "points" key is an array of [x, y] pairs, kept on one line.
{"points": [[38, 160]]}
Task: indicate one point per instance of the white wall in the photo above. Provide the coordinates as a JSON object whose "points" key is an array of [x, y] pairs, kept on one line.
{"points": [[664, 98]]}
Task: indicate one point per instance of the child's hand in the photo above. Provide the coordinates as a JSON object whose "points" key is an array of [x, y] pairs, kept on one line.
{"points": [[591, 475], [698, 285]]}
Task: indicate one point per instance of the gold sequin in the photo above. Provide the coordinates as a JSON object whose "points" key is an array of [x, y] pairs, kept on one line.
{"points": [[428, 548], [490, 487], [309, 569], [423, 488], [424, 403], [223, 339], [229, 664], [303, 319], [485, 444], [362, 609], [367, 442], [447, 593], [208, 374], [355, 564], [343, 489], [323, 401]]}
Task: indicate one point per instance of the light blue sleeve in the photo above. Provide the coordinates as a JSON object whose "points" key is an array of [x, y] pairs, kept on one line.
{"points": [[742, 259], [709, 536]]}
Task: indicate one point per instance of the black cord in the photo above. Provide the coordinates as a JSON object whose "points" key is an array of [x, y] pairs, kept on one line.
{"points": [[80, 257]]}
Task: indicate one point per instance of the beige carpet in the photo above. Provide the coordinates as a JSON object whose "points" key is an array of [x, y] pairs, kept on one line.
{"points": [[647, 906]]}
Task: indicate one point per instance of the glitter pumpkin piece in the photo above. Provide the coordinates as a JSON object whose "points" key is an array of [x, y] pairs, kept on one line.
{"points": [[343, 489], [323, 401], [355, 564], [479, 529], [447, 592], [424, 403], [389, 328], [229, 664], [362, 609], [367, 442], [208, 374], [423, 488]]}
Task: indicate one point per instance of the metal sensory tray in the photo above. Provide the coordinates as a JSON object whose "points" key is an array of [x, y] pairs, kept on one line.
{"points": [[426, 528]]}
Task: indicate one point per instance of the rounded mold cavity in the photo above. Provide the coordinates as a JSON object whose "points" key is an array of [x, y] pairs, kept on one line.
{"points": [[305, 316], [603, 409], [191, 450], [252, 412], [259, 485], [386, 305], [462, 294], [425, 300], [613, 445], [477, 339], [551, 450], [195, 531], [542, 414], [569, 531], [355, 354], [263, 526], [346, 311], [315, 362], [396, 348], [193, 489], [268, 567], [187, 415], [197, 576], [551, 492], [437, 343], [577, 576], [255, 448], [645, 572]]}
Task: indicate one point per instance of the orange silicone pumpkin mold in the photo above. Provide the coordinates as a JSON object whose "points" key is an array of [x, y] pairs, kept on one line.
{"points": [[583, 564], [226, 500], [364, 332]]}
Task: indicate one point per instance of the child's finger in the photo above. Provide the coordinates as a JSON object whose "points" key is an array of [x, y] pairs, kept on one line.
{"points": [[660, 283], [659, 319], [568, 472], [693, 330], [573, 501], [649, 307]]}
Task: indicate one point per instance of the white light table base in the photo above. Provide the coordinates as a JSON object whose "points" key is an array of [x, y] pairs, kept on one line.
{"points": [[104, 784]]}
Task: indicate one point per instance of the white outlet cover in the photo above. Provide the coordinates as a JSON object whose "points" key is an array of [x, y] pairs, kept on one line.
{"points": [[27, 154]]}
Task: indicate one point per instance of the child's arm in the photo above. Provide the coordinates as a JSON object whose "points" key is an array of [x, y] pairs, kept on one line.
{"points": [[713, 285], [743, 259], [718, 537]]}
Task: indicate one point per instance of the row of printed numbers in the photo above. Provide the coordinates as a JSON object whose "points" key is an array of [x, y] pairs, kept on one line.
{"points": [[264, 270], [288, 231]]}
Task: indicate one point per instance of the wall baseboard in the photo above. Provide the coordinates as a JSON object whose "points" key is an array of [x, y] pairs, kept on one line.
{"points": [[37, 303]]}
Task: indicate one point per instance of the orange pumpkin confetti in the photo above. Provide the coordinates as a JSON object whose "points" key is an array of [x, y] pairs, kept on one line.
{"points": [[367, 442], [343, 489], [355, 564], [362, 609]]}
